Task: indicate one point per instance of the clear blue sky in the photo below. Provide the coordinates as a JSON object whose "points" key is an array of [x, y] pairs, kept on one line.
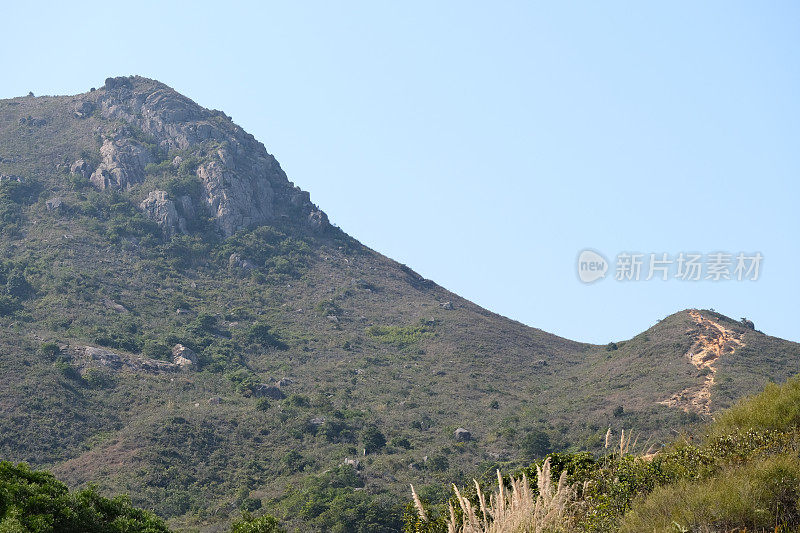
{"points": [[485, 144]]}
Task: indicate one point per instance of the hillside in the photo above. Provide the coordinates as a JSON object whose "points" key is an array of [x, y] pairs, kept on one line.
{"points": [[181, 323]]}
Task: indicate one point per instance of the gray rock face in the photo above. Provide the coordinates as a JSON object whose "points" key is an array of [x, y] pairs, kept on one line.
{"points": [[80, 168], [162, 210], [84, 109], [123, 162], [93, 356], [242, 185], [235, 201], [237, 261]]}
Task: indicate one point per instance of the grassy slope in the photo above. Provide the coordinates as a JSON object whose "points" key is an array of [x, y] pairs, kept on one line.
{"points": [[427, 372]]}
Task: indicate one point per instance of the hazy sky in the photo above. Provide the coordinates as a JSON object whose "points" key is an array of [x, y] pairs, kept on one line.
{"points": [[485, 144]]}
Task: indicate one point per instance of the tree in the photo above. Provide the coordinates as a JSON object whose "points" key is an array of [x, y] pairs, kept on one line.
{"points": [[373, 439], [263, 524], [36, 501], [535, 444]]}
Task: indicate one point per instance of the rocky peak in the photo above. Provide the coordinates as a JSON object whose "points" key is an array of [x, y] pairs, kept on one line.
{"points": [[147, 123]]}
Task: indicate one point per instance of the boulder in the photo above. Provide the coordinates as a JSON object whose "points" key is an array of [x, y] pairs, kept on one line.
{"points": [[183, 356], [237, 261], [84, 109], [80, 168], [104, 357], [262, 390], [355, 463], [118, 83], [214, 400], [462, 435], [54, 203]]}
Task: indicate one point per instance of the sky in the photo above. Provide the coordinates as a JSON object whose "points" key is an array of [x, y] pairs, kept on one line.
{"points": [[486, 144]]}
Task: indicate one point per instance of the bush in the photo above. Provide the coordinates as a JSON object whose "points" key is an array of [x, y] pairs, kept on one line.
{"points": [[401, 442], [535, 444], [263, 524], [36, 501], [49, 349], [298, 400], [293, 461], [261, 334], [401, 337], [67, 370], [156, 349], [18, 287], [777, 408], [262, 404], [373, 439], [8, 305], [760, 496]]}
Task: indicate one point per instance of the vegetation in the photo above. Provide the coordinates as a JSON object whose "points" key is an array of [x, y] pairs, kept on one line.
{"points": [[744, 475], [34, 501], [311, 350]]}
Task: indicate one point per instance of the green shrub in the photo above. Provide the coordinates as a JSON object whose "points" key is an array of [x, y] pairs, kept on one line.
{"points": [[263, 524], [8, 305], [535, 444], [67, 370], [49, 349], [760, 496], [293, 461], [401, 337], [262, 404], [156, 349], [97, 378], [373, 439], [261, 333], [401, 442], [777, 408], [35, 501], [298, 400]]}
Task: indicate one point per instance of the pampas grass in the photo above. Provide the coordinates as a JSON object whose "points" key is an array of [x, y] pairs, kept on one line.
{"points": [[519, 510]]}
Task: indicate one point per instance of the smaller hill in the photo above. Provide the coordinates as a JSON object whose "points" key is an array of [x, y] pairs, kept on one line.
{"points": [[742, 475]]}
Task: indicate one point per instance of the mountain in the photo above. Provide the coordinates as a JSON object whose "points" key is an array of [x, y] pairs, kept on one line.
{"points": [[181, 323]]}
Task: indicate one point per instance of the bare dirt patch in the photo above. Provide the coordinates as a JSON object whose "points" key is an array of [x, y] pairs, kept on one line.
{"points": [[713, 341]]}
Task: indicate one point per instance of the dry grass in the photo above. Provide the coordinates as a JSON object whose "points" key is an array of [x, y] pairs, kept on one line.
{"points": [[519, 510]]}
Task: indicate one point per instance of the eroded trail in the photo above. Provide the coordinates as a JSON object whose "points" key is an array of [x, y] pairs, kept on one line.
{"points": [[713, 341]]}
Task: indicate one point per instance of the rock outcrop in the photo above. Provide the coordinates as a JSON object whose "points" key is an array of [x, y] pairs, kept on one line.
{"points": [[162, 210], [462, 435], [90, 356], [262, 390], [123, 162], [241, 185], [80, 168], [183, 356]]}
